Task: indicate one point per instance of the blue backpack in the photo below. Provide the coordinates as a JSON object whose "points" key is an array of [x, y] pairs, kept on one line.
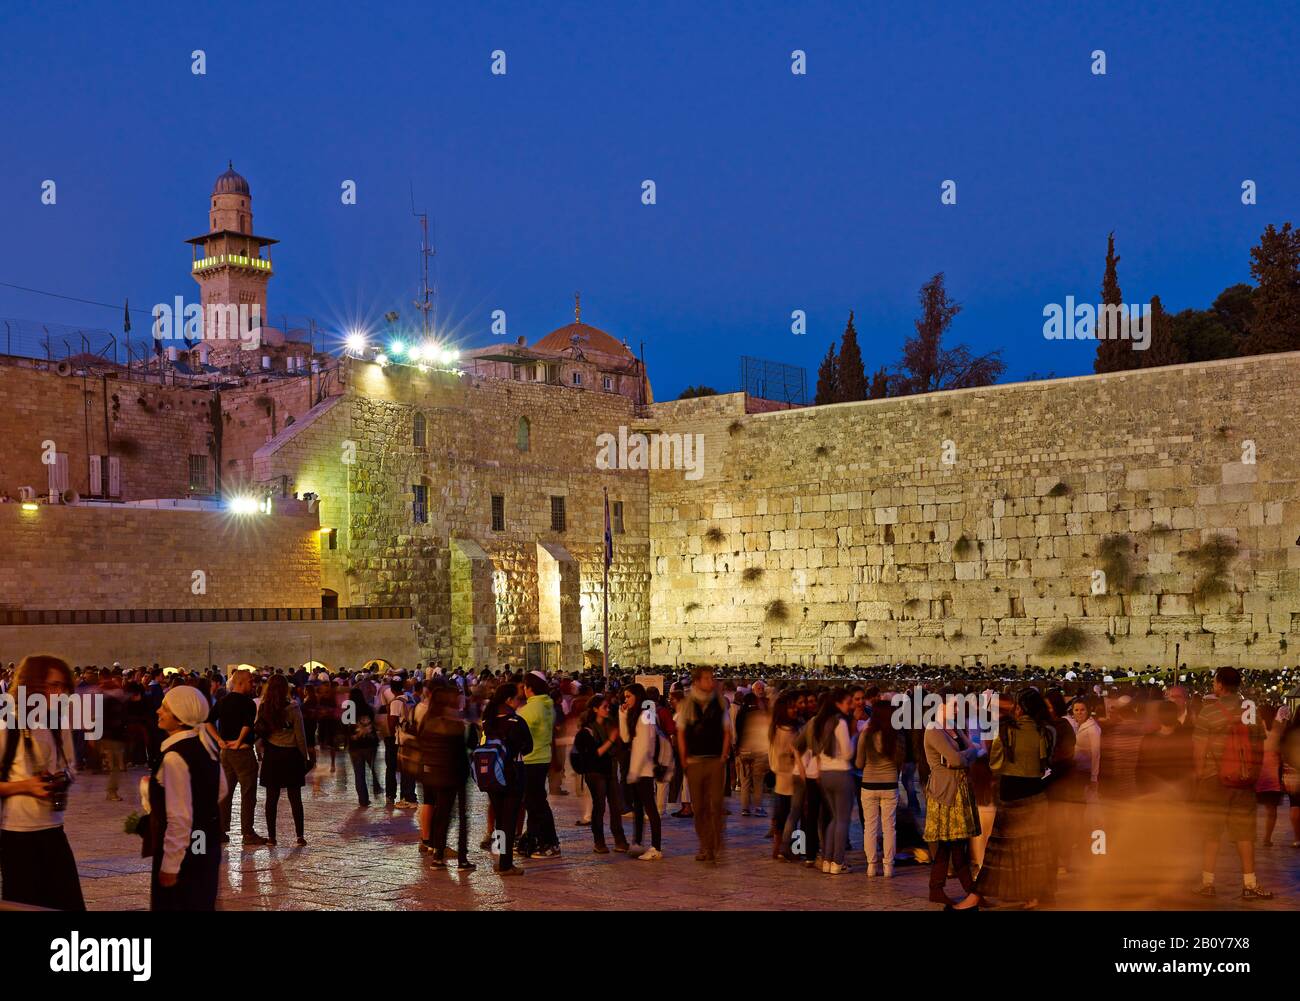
{"points": [[488, 762]]}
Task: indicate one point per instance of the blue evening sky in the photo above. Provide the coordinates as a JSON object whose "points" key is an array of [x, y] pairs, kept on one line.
{"points": [[775, 192]]}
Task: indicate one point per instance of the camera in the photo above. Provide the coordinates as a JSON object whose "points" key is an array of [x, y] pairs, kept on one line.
{"points": [[58, 783]]}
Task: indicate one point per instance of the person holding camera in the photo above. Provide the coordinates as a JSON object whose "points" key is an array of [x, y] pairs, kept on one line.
{"points": [[37, 866]]}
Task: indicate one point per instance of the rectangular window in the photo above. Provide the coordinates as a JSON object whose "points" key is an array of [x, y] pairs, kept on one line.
{"points": [[498, 513], [577, 378], [198, 474], [332, 539], [609, 384], [617, 517], [557, 514], [420, 503]]}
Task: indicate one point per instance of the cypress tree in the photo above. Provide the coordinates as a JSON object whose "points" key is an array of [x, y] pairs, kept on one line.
{"points": [[828, 378], [1113, 355], [1275, 266], [1165, 347], [851, 375]]}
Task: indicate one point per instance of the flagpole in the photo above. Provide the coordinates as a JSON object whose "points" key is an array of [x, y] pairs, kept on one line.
{"points": [[609, 553]]}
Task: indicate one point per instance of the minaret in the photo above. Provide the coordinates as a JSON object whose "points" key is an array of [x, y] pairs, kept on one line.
{"points": [[230, 269]]}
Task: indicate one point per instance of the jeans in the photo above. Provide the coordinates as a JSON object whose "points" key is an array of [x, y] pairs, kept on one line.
{"points": [[643, 805], [706, 777], [541, 822], [505, 809], [794, 819], [880, 812], [837, 788], [605, 789], [363, 758], [445, 797], [241, 769], [390, 768], [753, 770], [113, 756]]}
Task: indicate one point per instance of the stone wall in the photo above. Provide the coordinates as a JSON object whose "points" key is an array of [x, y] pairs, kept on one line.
{"points": [[336, 644], [360, 456], [151, 429], [117, 557], [972, 524]]}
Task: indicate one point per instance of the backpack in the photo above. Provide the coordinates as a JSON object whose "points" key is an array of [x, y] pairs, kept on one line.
{"points": [[1239, 767], [363, 732], [665, 761], [488, 763]]}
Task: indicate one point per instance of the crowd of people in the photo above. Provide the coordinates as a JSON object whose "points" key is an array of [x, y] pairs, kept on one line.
{"points": [[1005, 786]]}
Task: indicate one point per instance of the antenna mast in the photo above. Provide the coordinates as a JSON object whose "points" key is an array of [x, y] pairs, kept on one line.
{"points": [[425, 303]]}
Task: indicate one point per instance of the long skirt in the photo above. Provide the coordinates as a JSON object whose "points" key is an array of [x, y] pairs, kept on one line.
{"points": [[38, 868], [1018, 861]]}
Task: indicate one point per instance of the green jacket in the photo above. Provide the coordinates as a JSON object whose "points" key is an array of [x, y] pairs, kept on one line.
{"points": [[539, 713]]}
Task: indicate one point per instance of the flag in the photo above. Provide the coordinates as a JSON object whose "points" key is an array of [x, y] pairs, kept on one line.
{"points": [[126, 316], [609, 536]]}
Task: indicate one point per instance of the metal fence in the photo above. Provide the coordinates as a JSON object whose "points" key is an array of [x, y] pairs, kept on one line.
{"points": [[773, 380]]}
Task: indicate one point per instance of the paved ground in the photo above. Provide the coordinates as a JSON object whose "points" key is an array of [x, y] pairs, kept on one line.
{"points": [[367, 860]]}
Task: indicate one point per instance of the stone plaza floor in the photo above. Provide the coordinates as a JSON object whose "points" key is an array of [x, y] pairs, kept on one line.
{"points": [[367, 859]]}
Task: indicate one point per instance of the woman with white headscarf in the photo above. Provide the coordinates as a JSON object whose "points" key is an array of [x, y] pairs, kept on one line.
{"points": [[185, 819]]}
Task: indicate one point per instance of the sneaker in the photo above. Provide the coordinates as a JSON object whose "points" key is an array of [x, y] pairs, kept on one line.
{"points": [[406, 804], [582, 823], [113, 798], [834, 868], [1207, 890], [621, 848], [826, 866], [759, 812], [1256, 893], [744, 813], [553, 852], [600, 850], [514, 870], [301, 842], [426, 848], [255, 839], [465, 865], [635, 849], [654, 854]]}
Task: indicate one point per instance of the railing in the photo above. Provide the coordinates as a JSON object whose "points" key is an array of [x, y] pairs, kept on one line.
{"points": [[235, 260], [125, 616]]}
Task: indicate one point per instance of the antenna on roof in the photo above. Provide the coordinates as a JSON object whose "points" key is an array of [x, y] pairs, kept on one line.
{"points": [[425, 302]]}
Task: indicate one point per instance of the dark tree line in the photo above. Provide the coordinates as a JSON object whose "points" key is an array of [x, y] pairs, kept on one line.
{"points": [[1242, 320], [926, 366]]}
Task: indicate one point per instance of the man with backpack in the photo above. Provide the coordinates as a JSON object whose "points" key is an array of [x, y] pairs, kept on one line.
{"points": [[1227, 749]]}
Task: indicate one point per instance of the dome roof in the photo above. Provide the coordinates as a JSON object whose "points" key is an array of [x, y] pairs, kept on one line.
{"points": [[230, 183], [585, 337]]}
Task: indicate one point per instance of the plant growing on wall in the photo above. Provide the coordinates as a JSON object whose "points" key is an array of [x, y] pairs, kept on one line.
{"points": [[752, 574], [1060, 490], [1064, 639], [692, 606], [859, 644], [735, 427], [714, 535], [776, 611], [1212, 559], [1114, 557], [961, 549]]}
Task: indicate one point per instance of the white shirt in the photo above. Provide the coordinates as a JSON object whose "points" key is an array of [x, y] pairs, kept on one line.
{"points": [[174, 777], [31, 813], [841, 759]]}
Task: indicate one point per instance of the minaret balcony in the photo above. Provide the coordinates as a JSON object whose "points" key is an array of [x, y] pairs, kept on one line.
{"points": [[231, 261]]}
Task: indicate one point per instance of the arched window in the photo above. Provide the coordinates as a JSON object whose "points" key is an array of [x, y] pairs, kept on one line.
{"points": [[521, 435], [417, 430]]}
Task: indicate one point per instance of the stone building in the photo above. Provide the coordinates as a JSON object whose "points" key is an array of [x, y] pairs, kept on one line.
{"points": [[1144, 517]]}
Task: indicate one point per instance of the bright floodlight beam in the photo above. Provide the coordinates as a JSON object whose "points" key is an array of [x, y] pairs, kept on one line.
{"points": [[397, 348], [356, 342]]}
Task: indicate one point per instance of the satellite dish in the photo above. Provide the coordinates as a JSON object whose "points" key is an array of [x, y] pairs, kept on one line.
{"points": [[70, 496]]}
